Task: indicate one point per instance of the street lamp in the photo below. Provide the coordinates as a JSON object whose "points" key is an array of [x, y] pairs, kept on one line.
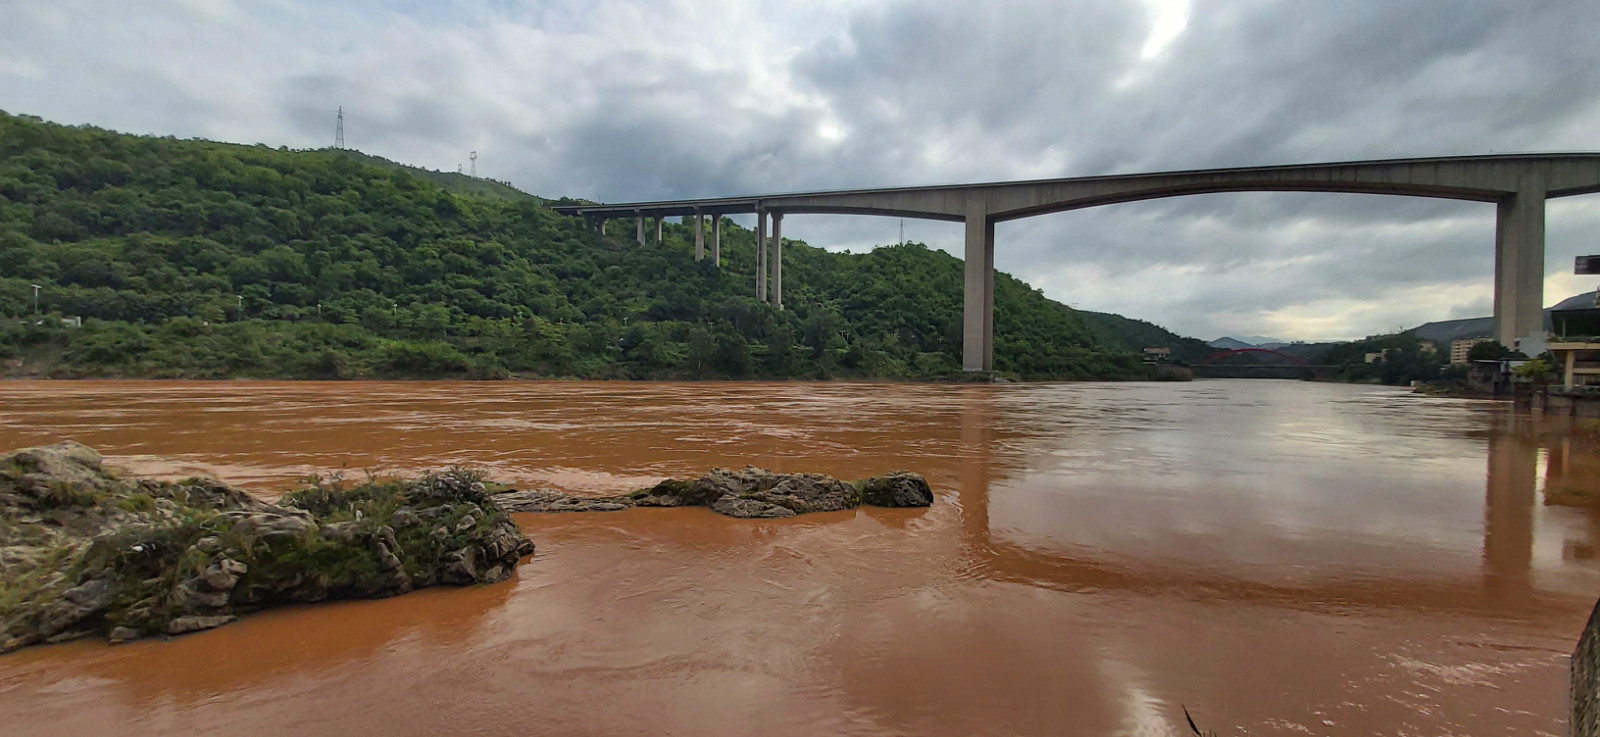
{"points": [[36, 289]]}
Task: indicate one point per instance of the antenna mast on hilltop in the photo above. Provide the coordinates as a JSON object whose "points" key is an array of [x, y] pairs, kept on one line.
{"points": [[338, 131], [474, 158]]}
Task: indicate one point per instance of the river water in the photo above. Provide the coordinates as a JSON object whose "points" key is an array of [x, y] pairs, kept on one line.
{"points": [[1280, 558]]}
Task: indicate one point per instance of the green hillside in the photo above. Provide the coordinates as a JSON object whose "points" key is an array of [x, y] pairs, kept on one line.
{"points": [[1134, 335], [449, 181], [198, 259]]}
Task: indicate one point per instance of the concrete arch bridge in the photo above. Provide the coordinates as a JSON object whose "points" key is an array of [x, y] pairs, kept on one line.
{"points": [[1518, 184]]}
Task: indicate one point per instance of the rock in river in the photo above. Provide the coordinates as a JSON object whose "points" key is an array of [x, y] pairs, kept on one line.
{"points": [[86, 551], [750, 492]]}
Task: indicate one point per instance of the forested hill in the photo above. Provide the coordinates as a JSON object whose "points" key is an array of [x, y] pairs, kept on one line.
{"points": [[199, 259], [1136, 335], [450, 181]]}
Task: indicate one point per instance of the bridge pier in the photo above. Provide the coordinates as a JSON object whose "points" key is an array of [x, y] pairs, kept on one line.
{"points": [[761, 254], [777, 260], [977, 324], [658, 231], [716, 239], [640, 221], [1519, 266], [699, 236]]}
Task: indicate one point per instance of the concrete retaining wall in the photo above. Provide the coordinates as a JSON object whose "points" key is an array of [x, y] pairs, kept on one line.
{"points": [[1584, 692], [1557, 404]]}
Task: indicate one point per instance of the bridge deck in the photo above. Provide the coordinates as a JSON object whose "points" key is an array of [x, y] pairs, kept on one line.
{"points": [[1484, 178]]}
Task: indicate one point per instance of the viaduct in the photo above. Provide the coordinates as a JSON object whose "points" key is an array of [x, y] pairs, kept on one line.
{"points": [[1518, 184]]}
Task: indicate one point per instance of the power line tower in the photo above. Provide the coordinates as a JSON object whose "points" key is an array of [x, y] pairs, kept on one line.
{"points": [[474, 158], [338, 132]]}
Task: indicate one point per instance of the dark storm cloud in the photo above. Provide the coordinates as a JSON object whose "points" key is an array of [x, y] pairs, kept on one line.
{"points": [[622, 99], [976, 77]]}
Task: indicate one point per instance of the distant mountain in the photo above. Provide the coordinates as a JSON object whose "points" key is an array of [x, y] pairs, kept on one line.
{"points": [[1444, 331], [1262, 340], [1230, 344], [1136, 335]]}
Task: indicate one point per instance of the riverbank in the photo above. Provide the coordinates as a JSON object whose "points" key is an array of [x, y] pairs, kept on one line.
{"points": [[307, 348], [1455, 391]]}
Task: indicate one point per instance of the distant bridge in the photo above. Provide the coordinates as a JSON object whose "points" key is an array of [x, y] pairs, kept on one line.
{"points": [[1292, 366], [1518, 184], [1231, 352]]}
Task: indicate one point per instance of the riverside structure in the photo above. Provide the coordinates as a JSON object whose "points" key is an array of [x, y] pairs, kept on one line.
{"points": [[1519, 184]]}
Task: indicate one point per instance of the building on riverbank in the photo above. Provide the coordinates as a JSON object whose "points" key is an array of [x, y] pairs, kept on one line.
{"points": [[1576, 348], [1460, 347]]}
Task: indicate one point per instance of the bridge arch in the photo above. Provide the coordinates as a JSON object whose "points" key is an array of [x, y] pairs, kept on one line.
{"points": [[1231, 352]]}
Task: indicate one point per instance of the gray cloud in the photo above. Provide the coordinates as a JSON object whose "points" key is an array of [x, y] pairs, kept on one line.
{"points": [[625, 99]]}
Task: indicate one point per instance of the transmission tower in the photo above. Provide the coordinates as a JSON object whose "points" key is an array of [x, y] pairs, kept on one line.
{"points": [[338, 131], [474, 158]]}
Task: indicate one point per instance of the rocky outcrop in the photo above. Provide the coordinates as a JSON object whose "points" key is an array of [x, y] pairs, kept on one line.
{"points": [[550, 500], [750, 493], [86, 551]]}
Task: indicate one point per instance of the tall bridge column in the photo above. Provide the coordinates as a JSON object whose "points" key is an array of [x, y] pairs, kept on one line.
{"points": [[658, 231], [977, 324], [1519, 264], [699, 236], [761, 254], [716, 239], [777, 260], [640, 220]]}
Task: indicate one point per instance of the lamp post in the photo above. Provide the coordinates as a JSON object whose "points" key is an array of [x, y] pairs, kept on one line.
{"points": [[35, 301]]}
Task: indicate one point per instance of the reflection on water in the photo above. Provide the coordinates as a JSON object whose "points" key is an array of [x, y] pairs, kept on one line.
{"points": [[1281, 557]]}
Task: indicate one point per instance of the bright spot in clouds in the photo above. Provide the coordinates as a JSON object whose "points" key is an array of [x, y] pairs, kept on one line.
{"points": [[1171, 17]]}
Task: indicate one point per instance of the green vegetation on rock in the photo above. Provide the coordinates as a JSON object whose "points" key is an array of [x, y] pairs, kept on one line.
{"points": [[85, 551], [749, 492], [208, 260]]}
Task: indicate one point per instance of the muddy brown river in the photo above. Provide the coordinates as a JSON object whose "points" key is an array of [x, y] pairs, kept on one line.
{"points": [[1281, 558]]}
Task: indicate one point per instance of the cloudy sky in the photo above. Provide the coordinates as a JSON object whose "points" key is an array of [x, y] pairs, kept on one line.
{"points": [[641, 99]]}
